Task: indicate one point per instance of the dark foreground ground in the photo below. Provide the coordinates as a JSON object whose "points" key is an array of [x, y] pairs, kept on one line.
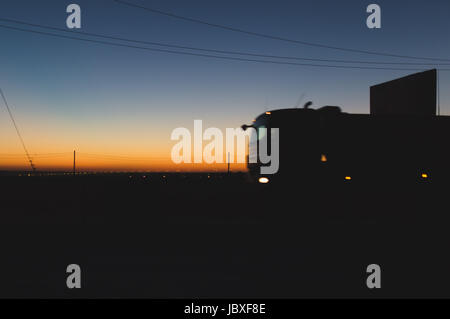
{"points": [[215, 237]]}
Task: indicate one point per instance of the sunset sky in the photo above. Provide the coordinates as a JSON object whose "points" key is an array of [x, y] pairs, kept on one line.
{"points": [[117, 106]]}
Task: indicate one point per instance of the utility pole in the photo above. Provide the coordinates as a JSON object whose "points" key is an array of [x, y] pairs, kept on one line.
{"points": [[74, 167], [228, 162], [438, 94]]}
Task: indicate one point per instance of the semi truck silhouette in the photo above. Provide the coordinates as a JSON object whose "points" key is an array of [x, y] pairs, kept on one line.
{"points": [[402, 142]]}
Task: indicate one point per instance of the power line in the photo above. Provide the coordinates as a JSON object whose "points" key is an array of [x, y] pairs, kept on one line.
{"points": [[210, 55], [214, 50], [121, 157], [33, 156], [65, 154], [17, 130], [272, 37]]}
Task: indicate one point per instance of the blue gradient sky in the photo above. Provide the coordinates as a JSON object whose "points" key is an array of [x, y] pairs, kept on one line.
{"points": [[72, 95]]}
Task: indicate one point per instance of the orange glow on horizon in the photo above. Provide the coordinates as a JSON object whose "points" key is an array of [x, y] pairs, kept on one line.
{"points": [[116, 163], [101, 144]]}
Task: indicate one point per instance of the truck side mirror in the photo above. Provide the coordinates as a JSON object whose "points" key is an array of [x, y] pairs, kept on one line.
{"points": [[307, 104]]}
